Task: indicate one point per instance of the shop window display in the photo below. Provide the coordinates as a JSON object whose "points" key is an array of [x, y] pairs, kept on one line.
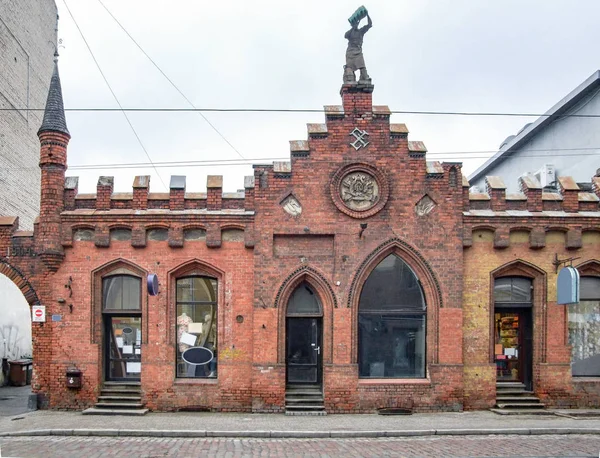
{"points": [[584, 330], [196, 349], [391, 323]]}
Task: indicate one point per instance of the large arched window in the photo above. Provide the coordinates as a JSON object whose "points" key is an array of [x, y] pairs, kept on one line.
{"points": [[196, 327], [584, 329], [391, 323]]}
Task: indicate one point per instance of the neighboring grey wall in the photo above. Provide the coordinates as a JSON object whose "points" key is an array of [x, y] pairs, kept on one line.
{"points": [[27, 42], [15, 321], [565, 135]]}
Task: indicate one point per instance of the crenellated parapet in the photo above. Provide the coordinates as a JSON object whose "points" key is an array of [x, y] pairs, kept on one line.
{"points": [[176, 200], [534, 211]]}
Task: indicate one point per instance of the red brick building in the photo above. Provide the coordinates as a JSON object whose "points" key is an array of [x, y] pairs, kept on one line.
{"points": [[355, 277]]}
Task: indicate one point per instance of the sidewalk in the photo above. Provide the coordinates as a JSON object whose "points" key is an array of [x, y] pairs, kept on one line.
{"points": [[203, 424]]}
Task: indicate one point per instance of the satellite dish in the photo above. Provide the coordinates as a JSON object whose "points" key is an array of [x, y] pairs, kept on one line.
{"points": [[152, 284]]}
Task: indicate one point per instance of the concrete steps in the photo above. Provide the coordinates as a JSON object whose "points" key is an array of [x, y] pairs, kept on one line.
{"points": [[119, 398], [304, 400], [513, 399]]}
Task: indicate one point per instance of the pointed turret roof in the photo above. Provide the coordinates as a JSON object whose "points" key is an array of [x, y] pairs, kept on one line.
{"points": [[54, 114]]}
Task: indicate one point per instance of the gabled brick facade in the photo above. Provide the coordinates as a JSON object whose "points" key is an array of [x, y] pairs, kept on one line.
{"points": [[300, 221]]}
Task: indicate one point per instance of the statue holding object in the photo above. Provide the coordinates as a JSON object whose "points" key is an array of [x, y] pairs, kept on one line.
{"points": [[354, 55]]}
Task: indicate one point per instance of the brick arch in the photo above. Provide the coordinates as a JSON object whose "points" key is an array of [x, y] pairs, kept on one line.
{"points": [[328, 301], [20, 280], [589, 268], [538, 276], [426, 276]]}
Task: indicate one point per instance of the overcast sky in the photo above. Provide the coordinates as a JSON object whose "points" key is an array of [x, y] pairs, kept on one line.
{"points": [[437, 55]]}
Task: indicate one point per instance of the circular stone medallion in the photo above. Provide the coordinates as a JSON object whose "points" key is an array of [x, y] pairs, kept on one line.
{"points": [[359, 190]]}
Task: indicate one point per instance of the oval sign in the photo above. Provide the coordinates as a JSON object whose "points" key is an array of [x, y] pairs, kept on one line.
{"points": [[197, 355], [152, 284]]}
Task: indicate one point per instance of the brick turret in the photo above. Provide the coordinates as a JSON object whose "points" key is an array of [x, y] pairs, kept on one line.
{"points": [[54, 138]]}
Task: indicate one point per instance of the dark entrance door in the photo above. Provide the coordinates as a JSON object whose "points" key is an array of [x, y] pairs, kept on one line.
{"points": [[123, 350], [513, 345], [303, 350]]}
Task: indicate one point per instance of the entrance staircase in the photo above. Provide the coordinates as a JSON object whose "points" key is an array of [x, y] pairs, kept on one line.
{"points": [[513, 399], [304, 400], [119, 398]]}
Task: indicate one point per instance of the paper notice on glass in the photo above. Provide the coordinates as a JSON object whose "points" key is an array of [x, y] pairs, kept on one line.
{"points": [[128, 349], [188, 339], [119, 342], [138, 334], [134, 368], [498, 349], [510, 351], [138, 351]]}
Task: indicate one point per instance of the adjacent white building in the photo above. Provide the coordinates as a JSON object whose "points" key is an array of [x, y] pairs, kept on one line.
{"points": [[28, 39], [563, 142]]}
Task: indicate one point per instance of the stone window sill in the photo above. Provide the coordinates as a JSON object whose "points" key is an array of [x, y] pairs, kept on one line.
{"points": [[394, 381], [586, 379], [196, 381]]}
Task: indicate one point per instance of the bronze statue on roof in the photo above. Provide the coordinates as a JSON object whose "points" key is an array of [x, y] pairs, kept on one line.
{"points": [[354, 55]]}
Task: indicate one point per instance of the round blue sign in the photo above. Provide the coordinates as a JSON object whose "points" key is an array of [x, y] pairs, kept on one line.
{"points": [[152, 284]]}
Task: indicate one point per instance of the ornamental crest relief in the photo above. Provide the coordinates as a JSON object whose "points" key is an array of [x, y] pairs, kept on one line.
{"points": [[359, 191]]}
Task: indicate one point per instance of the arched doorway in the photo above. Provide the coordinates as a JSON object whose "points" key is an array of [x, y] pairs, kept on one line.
{"points": [[513, 330], [15, 321], [304, 337]]}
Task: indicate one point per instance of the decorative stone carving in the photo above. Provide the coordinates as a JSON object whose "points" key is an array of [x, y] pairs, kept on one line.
{"points": [[291, 206], [359, 191], [361, 138], [424, 206]]}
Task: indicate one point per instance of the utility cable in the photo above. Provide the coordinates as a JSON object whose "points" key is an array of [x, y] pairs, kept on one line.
{"points": [[238, 162], [313, 110], [112, 92], [170, 81]]}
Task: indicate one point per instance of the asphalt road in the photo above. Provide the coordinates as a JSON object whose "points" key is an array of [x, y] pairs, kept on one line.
{"points": [[446, 446]]}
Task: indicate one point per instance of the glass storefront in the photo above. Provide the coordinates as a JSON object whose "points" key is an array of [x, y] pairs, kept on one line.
{"points": [[584, 330]]}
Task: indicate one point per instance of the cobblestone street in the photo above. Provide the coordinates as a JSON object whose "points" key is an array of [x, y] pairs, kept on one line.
{"points": [[455, 446]]}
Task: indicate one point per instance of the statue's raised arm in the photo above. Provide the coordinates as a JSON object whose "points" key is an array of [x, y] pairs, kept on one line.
{"points": [[354, 56]]}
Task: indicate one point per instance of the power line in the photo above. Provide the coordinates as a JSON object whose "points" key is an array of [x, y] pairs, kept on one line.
{"points": [[169, 80], [112, 92], [238, 162], [312, 110]]}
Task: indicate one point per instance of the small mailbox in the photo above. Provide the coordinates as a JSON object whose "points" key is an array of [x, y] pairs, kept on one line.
{"points": [[73, 377]]}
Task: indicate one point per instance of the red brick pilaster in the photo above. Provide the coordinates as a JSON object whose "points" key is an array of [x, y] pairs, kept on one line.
{"points": [[497, 191], [570, 192], [214, 193], [104, 191], [141, 186], [532, 189]]}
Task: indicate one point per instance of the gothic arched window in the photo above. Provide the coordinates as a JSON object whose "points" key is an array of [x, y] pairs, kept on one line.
{"points": [[391, 323]]}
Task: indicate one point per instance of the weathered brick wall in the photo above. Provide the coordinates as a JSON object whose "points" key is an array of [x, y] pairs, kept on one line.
{"points": [[326, 246], [499, 243], [78, 337], [27, 31]]}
